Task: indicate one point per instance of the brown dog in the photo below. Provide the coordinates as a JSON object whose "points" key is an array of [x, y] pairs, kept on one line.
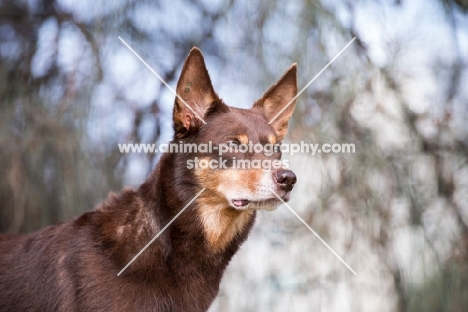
{"points": [[73, 266]]}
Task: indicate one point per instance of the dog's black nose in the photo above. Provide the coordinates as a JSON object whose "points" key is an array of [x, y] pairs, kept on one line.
{"points": [[285, 179]]}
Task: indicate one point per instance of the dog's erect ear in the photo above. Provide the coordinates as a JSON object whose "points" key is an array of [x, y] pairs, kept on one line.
{"points": [[274, 103], [195, 88]]}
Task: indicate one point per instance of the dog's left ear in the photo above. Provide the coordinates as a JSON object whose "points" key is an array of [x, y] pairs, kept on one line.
{"points": [[195, 88], [275, 103]]}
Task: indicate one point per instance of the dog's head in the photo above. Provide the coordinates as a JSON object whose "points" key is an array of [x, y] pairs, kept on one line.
{"points": [[238, 159]]}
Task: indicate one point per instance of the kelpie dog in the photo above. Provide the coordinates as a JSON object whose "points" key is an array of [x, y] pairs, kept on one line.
{"points": [[74, 265]]}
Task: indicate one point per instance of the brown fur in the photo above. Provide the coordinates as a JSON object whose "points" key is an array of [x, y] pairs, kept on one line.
{"points": [[73, 266]]}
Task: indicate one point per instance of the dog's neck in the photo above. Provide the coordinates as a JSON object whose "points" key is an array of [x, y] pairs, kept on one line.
{"points": [[199, 241], [213, 225]]}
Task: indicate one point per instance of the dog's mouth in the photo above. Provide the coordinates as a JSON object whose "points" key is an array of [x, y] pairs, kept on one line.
{"points": [[267, 204], [240, 203]]}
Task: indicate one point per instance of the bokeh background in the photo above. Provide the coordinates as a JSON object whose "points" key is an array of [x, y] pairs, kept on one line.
{"points": [[396, 210]]}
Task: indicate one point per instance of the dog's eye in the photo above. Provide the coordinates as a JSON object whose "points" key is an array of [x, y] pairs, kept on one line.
{"points": [[233, 143], [277, 147]]}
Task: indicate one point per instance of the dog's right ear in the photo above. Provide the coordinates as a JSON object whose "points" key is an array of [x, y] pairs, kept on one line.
{"points": [[195, 88]]}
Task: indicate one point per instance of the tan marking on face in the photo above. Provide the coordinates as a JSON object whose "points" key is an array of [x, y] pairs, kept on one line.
{"points": [[243, 138], [220, 222], [237, 180], [272, 139], [222, 180]]}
